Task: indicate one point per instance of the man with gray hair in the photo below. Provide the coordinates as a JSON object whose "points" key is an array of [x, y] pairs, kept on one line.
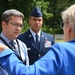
{"points": [[12, 23], [59, 60]]}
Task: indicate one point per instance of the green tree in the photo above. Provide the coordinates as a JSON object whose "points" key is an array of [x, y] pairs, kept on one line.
{"points": [[51, 10]]}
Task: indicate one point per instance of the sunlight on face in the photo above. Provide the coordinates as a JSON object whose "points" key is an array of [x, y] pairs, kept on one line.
{"points": [[36, 23]]}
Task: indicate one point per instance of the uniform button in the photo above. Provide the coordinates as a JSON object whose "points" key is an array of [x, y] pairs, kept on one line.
{"points": [[39, 55]]}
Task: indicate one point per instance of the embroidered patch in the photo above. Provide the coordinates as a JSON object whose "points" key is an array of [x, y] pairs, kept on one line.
{"points": [[47, 44]]}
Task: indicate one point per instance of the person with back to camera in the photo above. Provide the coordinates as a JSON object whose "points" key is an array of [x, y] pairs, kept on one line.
{"points": [[59, 60], [36, 50]]}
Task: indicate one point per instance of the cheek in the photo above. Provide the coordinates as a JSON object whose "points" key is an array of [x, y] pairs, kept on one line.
{"points": [[11, 30], [40, 25]]}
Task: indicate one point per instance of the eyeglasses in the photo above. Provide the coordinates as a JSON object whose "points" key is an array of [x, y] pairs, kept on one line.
{"points": [[16, 24], [61, 24]]}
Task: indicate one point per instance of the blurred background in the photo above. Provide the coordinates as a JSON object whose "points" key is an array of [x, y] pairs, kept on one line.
{"points": [[51, 10]]}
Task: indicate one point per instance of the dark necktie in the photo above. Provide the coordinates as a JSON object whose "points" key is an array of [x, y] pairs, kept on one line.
{"points": [[37, 41], [12, 45]]}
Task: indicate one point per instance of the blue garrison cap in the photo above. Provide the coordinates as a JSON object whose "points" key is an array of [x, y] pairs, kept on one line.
{"points": [[36, 12]]}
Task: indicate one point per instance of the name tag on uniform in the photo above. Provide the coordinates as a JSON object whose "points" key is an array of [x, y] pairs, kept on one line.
{"points": [[28, 48]]}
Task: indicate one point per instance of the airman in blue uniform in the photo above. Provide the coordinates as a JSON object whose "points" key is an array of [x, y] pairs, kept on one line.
{"points": [[45, 40]]}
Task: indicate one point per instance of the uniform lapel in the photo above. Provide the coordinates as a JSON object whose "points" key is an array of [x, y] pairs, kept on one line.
{"points": [[42, 41], [31, 40]]}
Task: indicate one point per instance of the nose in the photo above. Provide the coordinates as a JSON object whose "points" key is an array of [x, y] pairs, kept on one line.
{"points": [[18, 28], [37, 21]]}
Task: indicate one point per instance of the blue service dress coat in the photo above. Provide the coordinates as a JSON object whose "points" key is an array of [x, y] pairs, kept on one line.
{"points": [[59, 60], [34, 54]]}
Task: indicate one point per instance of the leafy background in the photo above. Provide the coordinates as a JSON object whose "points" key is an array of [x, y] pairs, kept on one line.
{"points": [[51, 10]]}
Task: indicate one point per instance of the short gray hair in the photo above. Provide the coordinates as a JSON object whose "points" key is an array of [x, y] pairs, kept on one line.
{"points": [[68, 16], [6, 16]]}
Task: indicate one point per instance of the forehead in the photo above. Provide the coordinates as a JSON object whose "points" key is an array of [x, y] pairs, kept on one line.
{"points": [[32, 17], [15, 18]]}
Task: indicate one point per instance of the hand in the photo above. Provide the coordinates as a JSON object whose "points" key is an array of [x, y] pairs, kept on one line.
{"points": [[2, 47]]}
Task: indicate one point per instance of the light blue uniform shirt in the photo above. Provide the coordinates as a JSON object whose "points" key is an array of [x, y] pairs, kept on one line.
{"points": [[23, 51], [59, 60]]}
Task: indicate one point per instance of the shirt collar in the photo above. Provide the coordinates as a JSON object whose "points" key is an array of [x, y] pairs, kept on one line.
{"points": [[5, 38], [33, 33]]}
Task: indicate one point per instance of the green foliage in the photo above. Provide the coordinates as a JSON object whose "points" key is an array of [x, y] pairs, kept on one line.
{"points": [[51, 10], [25, 27], [51, 30]]}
